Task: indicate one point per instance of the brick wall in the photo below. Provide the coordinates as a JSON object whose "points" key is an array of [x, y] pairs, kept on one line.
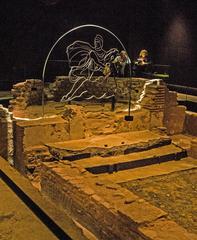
{"points": [[105, 208]]}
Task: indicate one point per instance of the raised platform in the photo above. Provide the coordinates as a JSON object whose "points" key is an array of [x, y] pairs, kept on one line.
{"points": [[158, 155], [118, 152], [84, 181], [109, 145]]}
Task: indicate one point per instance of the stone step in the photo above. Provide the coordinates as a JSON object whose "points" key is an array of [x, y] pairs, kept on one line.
{"points": [[107, 145], [99, 165], [150, 171]]}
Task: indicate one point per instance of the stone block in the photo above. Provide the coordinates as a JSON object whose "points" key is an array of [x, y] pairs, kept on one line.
{"points": [[87, 206], [26, 93], [141, 212], [190, 124], [3, 140], [193, 149], [164, 229], [171, 98], [141, 121], [32, 133], [156, 119], [174, 118], [77, 129], [39, 132]]}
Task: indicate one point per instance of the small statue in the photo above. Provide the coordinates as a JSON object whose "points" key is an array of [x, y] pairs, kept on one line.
{"points": [[107, 70]]}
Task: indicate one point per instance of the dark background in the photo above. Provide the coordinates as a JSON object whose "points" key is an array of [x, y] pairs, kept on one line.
{"points": [[167, 29]]}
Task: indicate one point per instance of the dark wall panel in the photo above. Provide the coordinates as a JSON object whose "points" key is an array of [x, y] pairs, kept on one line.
{"points": [[166, 28]]}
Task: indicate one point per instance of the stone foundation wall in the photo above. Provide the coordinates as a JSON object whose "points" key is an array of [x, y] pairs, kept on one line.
{"points": [[76, 122], [174, 114], [99, 123], [150, 94], [190, 124], [54, 91], [30, 137], [26, 94], [6, 135], [105, 208], [154, 101], [118, 86], [83, 203], [29, 92], [159, 108], [193, 149], [3, 139]]}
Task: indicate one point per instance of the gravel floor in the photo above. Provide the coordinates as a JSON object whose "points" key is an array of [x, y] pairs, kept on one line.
{"points": [[175, 193]]}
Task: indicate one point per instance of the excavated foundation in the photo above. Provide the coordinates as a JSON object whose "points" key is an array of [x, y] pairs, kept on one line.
{"points": [[81, 181], [78, 153]]}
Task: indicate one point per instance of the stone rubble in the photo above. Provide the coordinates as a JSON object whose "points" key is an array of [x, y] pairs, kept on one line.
{"points": [[26, 94]]}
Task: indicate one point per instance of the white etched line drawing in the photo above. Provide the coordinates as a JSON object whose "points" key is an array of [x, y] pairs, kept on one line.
{"points": [[85, 60]]}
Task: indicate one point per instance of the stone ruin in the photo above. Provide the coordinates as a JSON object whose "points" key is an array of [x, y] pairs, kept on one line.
{"points": [[159, 110], [65, 152], [26, 94]]}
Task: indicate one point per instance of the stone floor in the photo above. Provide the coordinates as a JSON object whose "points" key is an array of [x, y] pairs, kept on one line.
{"points": [[175, 193]]}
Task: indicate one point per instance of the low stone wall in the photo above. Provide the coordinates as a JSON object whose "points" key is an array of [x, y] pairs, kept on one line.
{"points": [[154, 101], [190, 124], [150, 94], [6, 135], [54, 91], [97, 121], [118, 86], [75, 122], [174, 114], [87, 207], [159, 109], [3, 139], [26, 93], [193, 149], [105, 208], [30, 137]]}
